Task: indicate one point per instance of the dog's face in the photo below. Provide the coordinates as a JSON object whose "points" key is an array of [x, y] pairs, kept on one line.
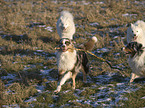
{"points": [[63, 24], [135, 31], [66, 45], [133, 49]]}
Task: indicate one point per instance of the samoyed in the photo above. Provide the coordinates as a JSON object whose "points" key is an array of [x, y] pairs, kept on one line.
{"points": [[65, 25], [136, 32]]}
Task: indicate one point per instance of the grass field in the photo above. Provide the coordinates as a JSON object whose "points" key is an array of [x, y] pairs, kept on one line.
{"points": [[28, 36]]}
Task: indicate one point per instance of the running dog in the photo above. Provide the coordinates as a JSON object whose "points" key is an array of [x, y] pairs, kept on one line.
{"points": [[70, 61], [65, 25]]}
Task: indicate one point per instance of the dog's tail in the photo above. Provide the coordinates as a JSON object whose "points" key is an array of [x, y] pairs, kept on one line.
{"points": [[90, 44]]}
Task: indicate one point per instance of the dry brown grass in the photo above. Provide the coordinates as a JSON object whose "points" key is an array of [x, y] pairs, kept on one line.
{"points": [[21, 37]]}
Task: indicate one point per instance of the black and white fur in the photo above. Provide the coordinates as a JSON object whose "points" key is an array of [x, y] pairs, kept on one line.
{"points": [[136, 59], [69, 63]]}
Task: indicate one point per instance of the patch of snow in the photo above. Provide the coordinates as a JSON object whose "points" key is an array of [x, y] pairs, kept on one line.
{"points": [[40, 88], [78, 100], [11, 106], [143, 97], [49, 28], [9, 91], [102, 50], [101, 88], [9, 76], [99, 2], [42, 26], [66, 91], [94, 24], [119, 84], [87, 101], [127, 14], [26, 67], [115, 37], [39, 50], [31, 99], [104, 100], [116, 54], [45, 72]]}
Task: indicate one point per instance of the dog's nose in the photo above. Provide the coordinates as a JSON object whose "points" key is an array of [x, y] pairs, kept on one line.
{"points": [[62, 27]]}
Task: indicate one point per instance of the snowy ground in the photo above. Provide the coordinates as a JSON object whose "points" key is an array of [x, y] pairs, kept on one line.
{"points": [[107, 95], [106, 90]]}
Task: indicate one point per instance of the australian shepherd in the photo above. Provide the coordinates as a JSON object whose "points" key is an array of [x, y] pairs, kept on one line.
{"points": [[70, 61]]}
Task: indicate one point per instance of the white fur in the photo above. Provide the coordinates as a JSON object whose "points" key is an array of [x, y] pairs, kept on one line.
{"points": [[67, 76], [94, 39], [66, 20], [66, 60], [69, 62], [137, 63], [138, 29]]}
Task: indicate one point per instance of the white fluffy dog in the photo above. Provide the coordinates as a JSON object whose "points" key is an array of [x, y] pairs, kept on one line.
{"points": [[135, 38], [65, 25]]}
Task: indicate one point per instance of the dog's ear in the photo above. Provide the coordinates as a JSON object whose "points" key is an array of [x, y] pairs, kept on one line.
{"points": [[139, 46], [140, 49], [132, 45]]}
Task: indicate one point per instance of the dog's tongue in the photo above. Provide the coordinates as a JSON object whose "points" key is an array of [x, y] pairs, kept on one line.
{"points": [[135, 37]]}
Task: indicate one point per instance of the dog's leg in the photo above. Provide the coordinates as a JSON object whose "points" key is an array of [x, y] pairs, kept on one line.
{"points": [[74, 82], [133, 76], [67, 76], [84, 77], [60, 75]]}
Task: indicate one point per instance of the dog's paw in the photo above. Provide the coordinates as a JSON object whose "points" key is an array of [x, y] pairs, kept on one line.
{"points": [[56, 91], [73, 87], [131, 80]]}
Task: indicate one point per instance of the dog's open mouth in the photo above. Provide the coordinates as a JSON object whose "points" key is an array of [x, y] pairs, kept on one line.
{"points": [[64, 29], [135, 37]]}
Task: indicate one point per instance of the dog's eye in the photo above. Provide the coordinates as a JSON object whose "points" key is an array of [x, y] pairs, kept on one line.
{"points": [[67, 42]]}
